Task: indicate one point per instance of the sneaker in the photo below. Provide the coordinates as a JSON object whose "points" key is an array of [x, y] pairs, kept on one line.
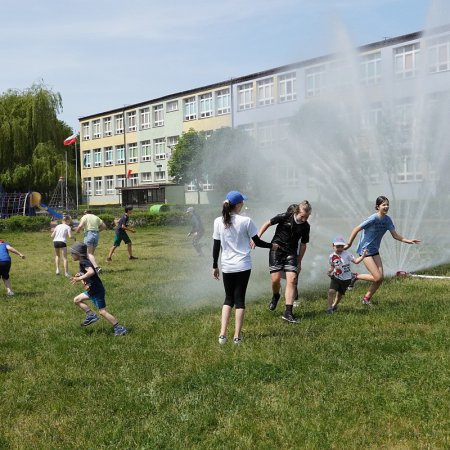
{"points": [[330, 310], [90, 319], [352, 282], [335, 308], [222, 340], [10, 294], [98, 269], [132, 257], [109, 259], [120, 330], [273, 303], [67, 275], [289, 317], [366, 302], [237, 340], [57, 273]]}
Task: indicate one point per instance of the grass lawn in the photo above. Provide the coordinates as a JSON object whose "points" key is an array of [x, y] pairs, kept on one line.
{"points": [[362, 378]]}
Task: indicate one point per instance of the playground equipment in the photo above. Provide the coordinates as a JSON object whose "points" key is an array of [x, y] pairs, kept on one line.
{"points": [[35, 202]]}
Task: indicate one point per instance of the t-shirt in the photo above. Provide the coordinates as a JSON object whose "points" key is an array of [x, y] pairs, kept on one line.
{"points": [[61, 232], [235, 242], [92, 284], [196, 222], [373, 229], [4, 254], [340, 262], [288, 232], [122, 222], [91, 222]]}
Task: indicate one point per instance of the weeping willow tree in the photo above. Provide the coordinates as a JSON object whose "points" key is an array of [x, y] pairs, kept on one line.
{"points": [[32, 154]]}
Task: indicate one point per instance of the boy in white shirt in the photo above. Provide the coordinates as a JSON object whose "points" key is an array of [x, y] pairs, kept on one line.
{"points": [[340, 272]]}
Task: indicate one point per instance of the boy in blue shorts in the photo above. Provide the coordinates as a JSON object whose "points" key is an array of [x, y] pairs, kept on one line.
{"points": [[121, 235], [94, 290]]}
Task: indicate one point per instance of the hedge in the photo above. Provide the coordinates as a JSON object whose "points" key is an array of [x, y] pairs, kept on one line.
{"points": [[40, 222]]}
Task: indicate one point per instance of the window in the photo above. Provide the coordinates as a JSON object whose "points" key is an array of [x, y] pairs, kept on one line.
{"points": [[134, 179], [266, 133], [160, 175], [132, 152], [107, 126], [372, 116], [223, 102], [86, 131], [160, 148], [315, 81], [109, 184], [191, 187], [98, 157], [370, 68], [97, 132], [287, 87], [146, 151], [120, 154], [121, 181], [87, 159], [439, 54], [158, 116], [409, 170], [404, 113], [146, 177], [245, 96], [98, 186], [190, 109], [145, 118], [131, 121], [172, 106], [265, 91], [109, 156], [207, 186], [119, 123], [87, 186], [206, 105], [406, 61], [171, 142], [291, 177], [249, 129]]}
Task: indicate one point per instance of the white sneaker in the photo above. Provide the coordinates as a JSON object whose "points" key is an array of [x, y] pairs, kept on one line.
{"points": [[222, 340], [237, 340], [67, 275], [10, 293]]}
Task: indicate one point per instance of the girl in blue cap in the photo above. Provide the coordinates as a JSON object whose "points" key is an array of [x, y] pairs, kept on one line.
{"points": [[232, 235]]}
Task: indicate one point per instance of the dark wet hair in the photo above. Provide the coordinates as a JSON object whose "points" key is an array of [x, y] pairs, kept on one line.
{"points": [[381, 199], [128, 208], [88, 211]]}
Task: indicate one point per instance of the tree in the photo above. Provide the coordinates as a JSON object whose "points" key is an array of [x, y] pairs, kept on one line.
{"points": [[32, 154], [185, 165]]}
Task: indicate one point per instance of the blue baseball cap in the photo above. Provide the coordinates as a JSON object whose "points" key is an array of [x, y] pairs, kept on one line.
{"points": [[339, 240], [235, 197]]}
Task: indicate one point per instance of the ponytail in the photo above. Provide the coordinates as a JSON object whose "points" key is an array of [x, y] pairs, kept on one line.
{"points": [[226, 213]]}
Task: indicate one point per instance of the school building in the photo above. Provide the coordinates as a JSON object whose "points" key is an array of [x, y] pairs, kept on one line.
{"points": [[124, 151]]}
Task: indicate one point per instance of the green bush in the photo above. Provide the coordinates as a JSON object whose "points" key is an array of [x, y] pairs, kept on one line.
{"points": [[40, 222]]}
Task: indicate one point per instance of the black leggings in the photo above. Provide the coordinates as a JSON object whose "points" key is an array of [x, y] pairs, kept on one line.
{"points": [[235, 284]]}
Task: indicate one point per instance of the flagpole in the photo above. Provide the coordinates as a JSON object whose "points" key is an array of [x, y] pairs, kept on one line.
{"points": [[76, 173]]}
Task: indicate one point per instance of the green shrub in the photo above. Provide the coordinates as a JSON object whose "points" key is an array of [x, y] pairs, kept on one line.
{"points": [[40, 222]]}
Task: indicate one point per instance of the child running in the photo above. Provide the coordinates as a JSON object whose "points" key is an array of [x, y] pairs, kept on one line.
{"points": [[5, 264], [60, 235], [340, 272], [94, 290], [373, 230], [121, 235]]}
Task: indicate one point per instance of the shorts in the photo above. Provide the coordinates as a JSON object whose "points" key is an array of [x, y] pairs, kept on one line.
{"points": [[339, 285], [122, 236], [5, 267], [97, 298], [59, 244], [91, 238], [235, 284], [282, 261], [373, 254]]}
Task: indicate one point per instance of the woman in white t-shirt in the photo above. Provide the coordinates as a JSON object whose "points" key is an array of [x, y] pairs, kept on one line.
{"points": [[232, 234], [60, 235]]}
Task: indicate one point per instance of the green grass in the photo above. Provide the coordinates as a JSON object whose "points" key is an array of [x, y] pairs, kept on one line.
{"points": [[360, 378]]}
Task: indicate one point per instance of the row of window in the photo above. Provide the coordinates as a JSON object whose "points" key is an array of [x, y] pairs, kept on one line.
{"points": [[107, 185], [109, 156], [204, 105]]}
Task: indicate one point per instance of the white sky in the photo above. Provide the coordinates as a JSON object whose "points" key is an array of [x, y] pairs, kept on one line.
{"points": [[102, 55]]}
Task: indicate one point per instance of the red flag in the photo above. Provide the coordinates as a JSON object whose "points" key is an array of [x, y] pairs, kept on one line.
{"points": [[129, 173], [71, 140]]}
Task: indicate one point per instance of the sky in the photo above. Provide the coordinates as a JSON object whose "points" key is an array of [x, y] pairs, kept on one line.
{"points": [[101, 55]]}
